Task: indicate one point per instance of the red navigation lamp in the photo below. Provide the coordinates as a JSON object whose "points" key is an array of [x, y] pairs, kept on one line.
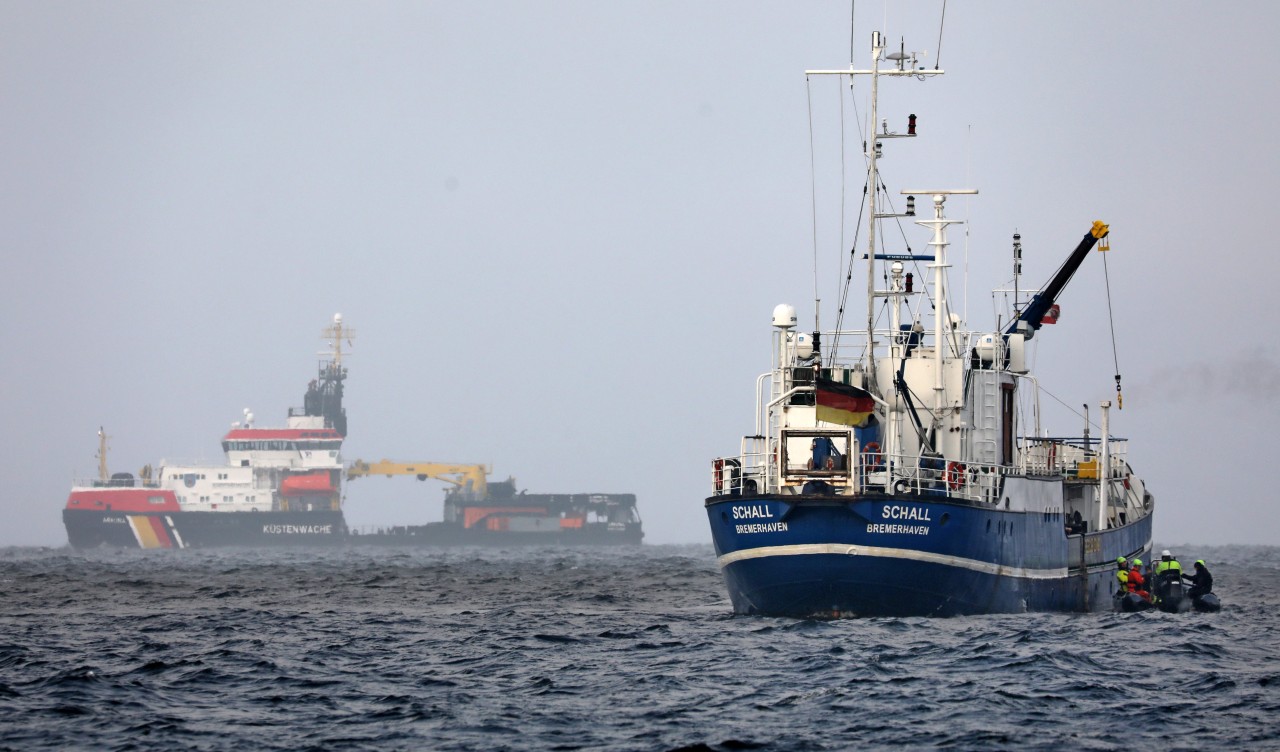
{"points": [[909, 281], [911, 125]]}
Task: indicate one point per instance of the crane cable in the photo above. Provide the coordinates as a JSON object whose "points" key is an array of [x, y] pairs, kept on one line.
{"points": [[1110, 316]]}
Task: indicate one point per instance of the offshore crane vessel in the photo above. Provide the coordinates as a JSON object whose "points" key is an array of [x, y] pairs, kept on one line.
{"points": [[477, 512]]}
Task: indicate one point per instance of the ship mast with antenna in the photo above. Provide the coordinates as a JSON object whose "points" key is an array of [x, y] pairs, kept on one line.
{"points": [[901, 59], [324, 397], [103, 474]]}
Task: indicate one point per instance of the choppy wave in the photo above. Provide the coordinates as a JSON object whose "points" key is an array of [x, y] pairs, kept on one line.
{"points": [[615, 649]]}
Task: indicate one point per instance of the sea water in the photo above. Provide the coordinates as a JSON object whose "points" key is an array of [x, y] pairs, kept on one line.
{"points": [[605, 648]]}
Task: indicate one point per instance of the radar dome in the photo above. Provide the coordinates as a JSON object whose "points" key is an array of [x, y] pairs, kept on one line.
{"points": [[804, 345], [986, 348], [784, 316]]}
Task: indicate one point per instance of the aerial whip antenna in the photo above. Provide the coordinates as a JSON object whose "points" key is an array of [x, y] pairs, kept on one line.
{"points": [[937, 61]]}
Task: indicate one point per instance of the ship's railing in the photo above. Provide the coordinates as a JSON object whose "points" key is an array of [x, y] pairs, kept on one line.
{"points": [[203, 462], [849, 346], [862, 471], [927, 475], [406, 531], [96, 482], [735, 476], [1074, 457]]}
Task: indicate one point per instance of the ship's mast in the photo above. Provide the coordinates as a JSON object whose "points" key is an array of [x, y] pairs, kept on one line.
{"points": [[942, 313], [873, 177], [103, 474], [325, 398], [873, 152], [337, 333]]}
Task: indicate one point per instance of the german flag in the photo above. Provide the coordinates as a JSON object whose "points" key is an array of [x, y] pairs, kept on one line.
{"points": [[846, 405]]}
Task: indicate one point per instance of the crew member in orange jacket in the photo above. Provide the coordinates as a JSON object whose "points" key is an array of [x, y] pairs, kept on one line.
{"points": [[1138, 583]]}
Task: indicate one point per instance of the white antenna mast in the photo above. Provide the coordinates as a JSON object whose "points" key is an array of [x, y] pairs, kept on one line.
{"points": [[337, 333], [941, 317]]}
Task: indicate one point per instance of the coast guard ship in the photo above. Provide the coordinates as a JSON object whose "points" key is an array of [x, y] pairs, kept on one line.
{"points": [[901, 469], [279, 486]]}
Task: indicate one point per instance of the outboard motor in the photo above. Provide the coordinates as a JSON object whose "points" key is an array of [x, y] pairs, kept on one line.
{"points": [[1172, 595]]}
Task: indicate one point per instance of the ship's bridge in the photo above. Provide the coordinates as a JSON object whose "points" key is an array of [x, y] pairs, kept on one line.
{"points": [[297, 448]]}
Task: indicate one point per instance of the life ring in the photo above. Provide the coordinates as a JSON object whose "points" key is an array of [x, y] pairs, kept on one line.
{"points": [[955, 475], [871, 457]]}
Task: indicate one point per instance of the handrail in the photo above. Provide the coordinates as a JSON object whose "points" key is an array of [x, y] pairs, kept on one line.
{"points": [[925, 475]]}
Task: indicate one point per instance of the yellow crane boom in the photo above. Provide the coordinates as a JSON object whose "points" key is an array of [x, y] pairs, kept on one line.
{"points": [[471, 478]]}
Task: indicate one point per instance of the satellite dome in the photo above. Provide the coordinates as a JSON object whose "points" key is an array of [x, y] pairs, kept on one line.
{"points": [[804, 344], [784, 316]]}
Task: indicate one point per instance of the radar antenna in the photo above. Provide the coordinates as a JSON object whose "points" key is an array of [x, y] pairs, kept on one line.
{"points": [[337, 333], [324, 397]]}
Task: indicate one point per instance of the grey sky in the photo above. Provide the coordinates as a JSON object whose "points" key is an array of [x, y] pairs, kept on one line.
{"points": [[559, 229]]}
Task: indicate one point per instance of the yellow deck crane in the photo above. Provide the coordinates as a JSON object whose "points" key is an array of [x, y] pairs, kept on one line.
{"points": [[470, 479]]}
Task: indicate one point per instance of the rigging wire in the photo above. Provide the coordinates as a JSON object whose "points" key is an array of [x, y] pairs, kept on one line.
{"points": [[843, 183], [1106, 275], [862, 207], [915, 264], [844, 294], [1077, 413]]}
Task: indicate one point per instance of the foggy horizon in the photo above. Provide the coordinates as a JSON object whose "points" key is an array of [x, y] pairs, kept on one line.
{"points": [[558, 231]]}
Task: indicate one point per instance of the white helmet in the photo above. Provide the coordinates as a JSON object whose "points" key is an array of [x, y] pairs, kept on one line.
{"points": [[1165, 554]]}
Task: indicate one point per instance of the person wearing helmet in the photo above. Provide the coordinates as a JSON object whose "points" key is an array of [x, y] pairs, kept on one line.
{"points": [[1201, 581], [1138, 583], [1122, 573], [1168, 571]]}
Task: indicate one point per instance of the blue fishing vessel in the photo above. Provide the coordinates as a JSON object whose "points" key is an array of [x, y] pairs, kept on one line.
{"points": [[900, 468]]}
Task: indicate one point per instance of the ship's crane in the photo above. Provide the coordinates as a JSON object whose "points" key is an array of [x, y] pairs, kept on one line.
{"points": [[469, 478], [1031, 318]]}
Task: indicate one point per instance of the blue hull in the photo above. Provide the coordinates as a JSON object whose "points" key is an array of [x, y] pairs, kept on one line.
{"points": [[910, 556]]}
